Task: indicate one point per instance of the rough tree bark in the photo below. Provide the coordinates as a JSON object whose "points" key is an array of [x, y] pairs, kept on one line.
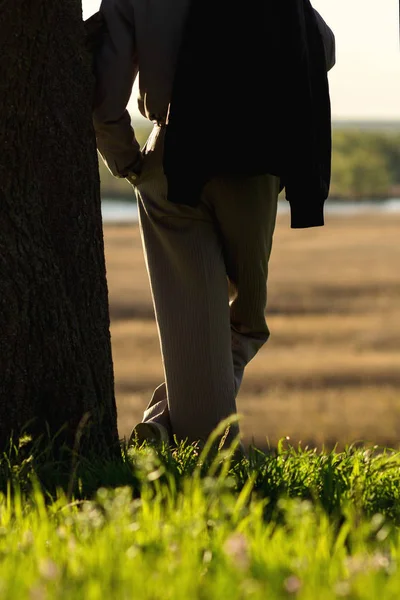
{"points": [[55, 353]]}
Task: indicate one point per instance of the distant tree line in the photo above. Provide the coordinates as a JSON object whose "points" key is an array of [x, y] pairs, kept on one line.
{"points": [[365, 165]]}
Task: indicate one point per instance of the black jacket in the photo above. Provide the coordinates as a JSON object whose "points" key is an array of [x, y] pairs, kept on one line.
{"points": [[251, 97]]}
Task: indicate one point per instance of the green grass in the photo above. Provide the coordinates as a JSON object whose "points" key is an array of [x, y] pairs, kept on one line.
{"points": [[292, 523]]}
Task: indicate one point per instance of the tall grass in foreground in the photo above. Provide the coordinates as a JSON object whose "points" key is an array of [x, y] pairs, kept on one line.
{"points": [[159, 525]]}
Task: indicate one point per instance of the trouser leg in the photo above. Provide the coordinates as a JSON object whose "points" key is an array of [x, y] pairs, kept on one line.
{"points": [[191, 302], [157, 411], [245, 209], [190, 293]]}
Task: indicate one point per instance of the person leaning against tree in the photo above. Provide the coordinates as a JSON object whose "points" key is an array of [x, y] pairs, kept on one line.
{"points": [[240, 104]]}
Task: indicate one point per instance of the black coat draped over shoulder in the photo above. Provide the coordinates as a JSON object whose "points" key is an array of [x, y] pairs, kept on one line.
{"points": [[251, 97]]}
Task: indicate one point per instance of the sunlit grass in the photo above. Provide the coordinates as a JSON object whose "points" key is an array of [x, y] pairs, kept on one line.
{"points": [[161, 524]]}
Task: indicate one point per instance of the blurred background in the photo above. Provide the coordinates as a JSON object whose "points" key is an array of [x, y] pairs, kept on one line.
{"points": [[330, 373]]}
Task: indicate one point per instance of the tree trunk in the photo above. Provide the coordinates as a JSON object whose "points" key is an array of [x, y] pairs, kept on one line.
{"points": [[55, 352]]}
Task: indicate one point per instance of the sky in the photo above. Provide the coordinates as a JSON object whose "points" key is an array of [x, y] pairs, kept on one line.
{"points": [[365, 83]]}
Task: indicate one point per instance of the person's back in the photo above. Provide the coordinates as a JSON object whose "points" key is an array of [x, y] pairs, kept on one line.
{"points": [[207, 335]]}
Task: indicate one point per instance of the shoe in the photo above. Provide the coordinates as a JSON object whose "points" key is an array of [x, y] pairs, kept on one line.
{"points": [[152, 433]]}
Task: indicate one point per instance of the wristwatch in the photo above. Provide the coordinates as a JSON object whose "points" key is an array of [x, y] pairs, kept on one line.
{"points": [[133, 177], [135, 171]]}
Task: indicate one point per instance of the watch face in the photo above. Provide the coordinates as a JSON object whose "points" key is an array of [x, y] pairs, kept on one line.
{"points": [[132, 177]]}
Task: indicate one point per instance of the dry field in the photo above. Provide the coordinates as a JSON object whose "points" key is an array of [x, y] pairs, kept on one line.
{"points": [[331, 370]]}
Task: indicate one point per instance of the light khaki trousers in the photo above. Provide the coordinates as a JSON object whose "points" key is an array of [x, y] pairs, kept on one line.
{"points": [[208, 269]]}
